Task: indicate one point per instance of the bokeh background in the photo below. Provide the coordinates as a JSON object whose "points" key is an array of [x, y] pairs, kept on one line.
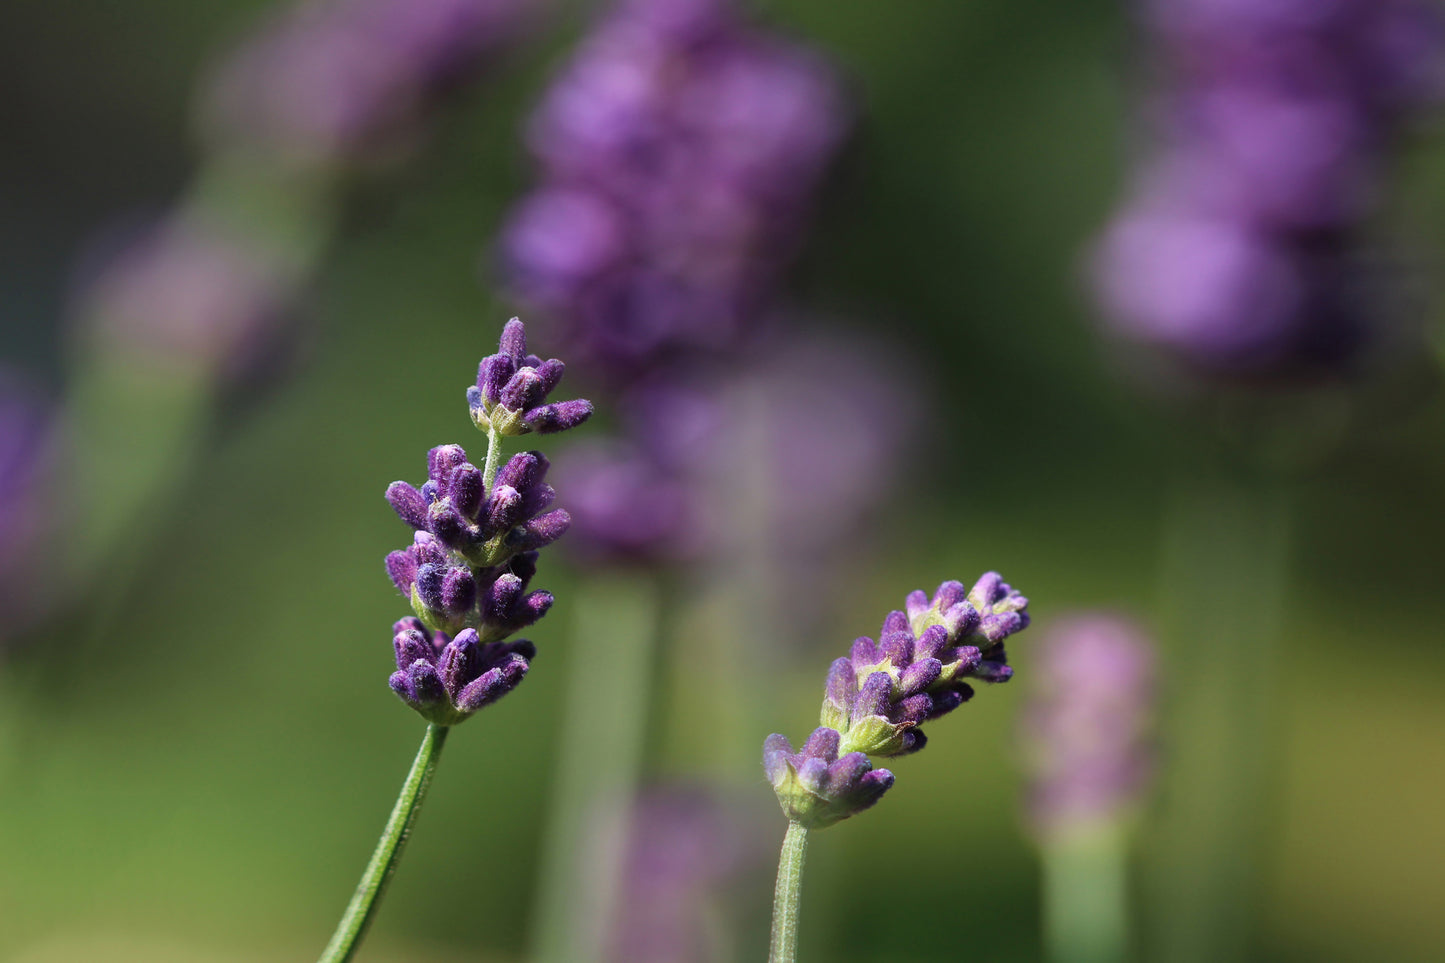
{"points": [[196, 743]]}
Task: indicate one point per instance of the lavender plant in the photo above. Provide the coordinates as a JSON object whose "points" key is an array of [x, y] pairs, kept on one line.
{"points": [[874, 703], [1087, 746], [466, 576]]}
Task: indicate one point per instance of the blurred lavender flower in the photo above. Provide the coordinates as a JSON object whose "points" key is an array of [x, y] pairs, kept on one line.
{"points": [[351, 81], [686, 845], [27, 461], [471, 561], [1275, 124], [876, 698], [783, 457], [680, 150], [188, 293], [1087, 724]]}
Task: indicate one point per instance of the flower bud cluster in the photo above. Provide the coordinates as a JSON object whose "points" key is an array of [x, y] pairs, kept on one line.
{"points": [[512, 387], [468, 570], [876, 699]]}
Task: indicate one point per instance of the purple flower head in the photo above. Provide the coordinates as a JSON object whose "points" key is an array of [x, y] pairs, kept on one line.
{"points": [[27, 462], [510, 396], [352, 80], [447, 678], [680, 150], [877, 697], [187, 292], [817, 787], [484, 527], [473, 556], [1275, 124], [1087, 726]]}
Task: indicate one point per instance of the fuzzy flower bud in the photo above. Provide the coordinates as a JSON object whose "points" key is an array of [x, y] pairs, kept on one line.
{"points": [[510, 396], [486, 528], [446, 678], [448, 595], [817, 787], [877, 697]]}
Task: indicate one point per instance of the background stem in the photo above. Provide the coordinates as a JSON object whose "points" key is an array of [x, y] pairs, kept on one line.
{"points": [[352, 928], [586, 833], [1086, 918], [788, 895]]}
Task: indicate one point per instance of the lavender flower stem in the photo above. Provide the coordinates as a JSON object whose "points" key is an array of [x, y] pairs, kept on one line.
{"points": [[787, 897], [494, 456], [1085, 898], [353, 925]]}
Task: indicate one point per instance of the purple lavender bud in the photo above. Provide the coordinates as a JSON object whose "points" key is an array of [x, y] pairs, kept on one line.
{"points": [[466, 490], [1087, 726], [512, 387], [817, 788], [408, 503], [540, 531], [449, 678]]}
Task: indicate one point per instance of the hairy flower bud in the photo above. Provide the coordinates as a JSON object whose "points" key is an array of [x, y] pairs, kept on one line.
{"points": [[510, 396], [446, 678], [816, 787]]}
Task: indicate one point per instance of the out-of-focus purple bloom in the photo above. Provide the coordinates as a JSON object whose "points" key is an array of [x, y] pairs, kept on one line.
{"points": [[1274, 125], [189, 293], [446, 679], [680, 150], [333, 81], [27, 460], [510, 396], [686, 845], [1088, 724], [876, 698], [798, 443]]}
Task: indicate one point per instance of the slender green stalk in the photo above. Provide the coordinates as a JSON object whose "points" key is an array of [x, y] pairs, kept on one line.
{"points": [[1086, 916], [352, 928], [494, 455], [788, 895], [600, 756]]}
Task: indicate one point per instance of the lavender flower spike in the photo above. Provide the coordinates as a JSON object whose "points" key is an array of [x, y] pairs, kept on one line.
{"points": [[510, 396], [877, 698]]}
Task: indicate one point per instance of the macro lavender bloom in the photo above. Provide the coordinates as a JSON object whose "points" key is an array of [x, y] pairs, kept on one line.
{"points": [[470, 564], [877, 697], [446, 678], [816, 786], [510, 396], [1274, 127], [1087, 724], [335, 81], [484, 527], [679, 150]]}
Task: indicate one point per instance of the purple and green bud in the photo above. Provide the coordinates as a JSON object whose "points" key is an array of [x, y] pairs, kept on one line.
{"points": [[449, 595], [446, 678], [817, 787], [510, 396], [486, 528], [878, 696]]}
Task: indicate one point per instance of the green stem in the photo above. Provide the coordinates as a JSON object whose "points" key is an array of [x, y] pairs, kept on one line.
{"points": [[1086, 898], [352, 928], [494, 455], [788, 895]]}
